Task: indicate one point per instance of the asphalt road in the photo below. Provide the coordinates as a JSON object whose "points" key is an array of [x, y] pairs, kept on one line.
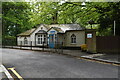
{"points": [[32, 64]]}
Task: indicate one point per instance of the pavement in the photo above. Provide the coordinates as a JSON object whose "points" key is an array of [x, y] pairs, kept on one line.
{"points": [[104, 57]]}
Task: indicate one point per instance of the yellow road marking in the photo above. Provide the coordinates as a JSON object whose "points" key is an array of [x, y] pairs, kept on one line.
{"points": [[99, 61], [13, 70]]}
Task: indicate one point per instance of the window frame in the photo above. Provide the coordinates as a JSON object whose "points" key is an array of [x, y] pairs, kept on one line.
{"points": [[25, 40], [73, 39], [41, 38]]}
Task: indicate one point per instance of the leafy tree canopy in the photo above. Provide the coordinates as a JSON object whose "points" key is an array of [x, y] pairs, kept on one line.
{"points": [[20, 16]]}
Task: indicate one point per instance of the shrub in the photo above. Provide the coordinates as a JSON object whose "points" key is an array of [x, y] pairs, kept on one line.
{"points": [[9, 40], [83, 47]]}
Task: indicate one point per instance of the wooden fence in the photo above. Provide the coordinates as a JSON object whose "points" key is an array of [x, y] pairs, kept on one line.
{"points": [[108, 44]]}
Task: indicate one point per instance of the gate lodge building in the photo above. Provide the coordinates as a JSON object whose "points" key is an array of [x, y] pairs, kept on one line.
{"points": [[69, 35]]}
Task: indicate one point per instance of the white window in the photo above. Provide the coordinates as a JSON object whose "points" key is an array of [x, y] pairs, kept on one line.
{"points": [[25, 41], [38, 40], [38, 35], [45, 39], [41, 38], [73, 38]]}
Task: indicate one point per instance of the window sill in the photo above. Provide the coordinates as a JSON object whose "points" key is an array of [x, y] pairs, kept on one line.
{"points": [[73, 43]]}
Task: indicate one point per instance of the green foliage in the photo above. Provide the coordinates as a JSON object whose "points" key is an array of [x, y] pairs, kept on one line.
{"points": [[15, 17], [20, 16], [109, 12], [10, 37], [9, 40]]}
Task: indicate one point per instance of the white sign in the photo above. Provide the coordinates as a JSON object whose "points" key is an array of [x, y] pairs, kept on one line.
{"points": [[89, 35]]}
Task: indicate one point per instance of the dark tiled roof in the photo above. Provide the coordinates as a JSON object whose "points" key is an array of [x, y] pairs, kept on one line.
{"points": [[61, 28], [65, 27], [27, 33]]}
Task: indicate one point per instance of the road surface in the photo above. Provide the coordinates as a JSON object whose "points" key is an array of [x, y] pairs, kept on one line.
{"points": [[33, 64]]}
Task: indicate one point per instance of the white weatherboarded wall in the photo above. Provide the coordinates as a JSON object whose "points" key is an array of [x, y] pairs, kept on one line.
{"points": [[32, 36], [20, 40]]}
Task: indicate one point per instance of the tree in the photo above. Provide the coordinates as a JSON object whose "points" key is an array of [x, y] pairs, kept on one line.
{"points": [[15, 17], [18, 17], [109, 11]]}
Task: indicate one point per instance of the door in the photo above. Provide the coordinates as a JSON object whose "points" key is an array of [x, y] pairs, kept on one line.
{"points": [[51, 41]]}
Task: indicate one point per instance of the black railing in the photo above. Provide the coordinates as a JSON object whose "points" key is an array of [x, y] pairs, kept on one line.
{"points": [[58, 46]]}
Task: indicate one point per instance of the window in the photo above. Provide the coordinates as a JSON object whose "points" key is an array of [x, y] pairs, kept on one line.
{"points": [[38, 40], [25, 41], [41, 38], [73, 38], [38, 35], [44, 38]]}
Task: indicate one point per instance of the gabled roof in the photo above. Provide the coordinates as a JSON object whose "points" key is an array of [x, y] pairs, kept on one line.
{"points": [[65, 27], [27, 33], [59, 30], [41, 31], [45, 25]]}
